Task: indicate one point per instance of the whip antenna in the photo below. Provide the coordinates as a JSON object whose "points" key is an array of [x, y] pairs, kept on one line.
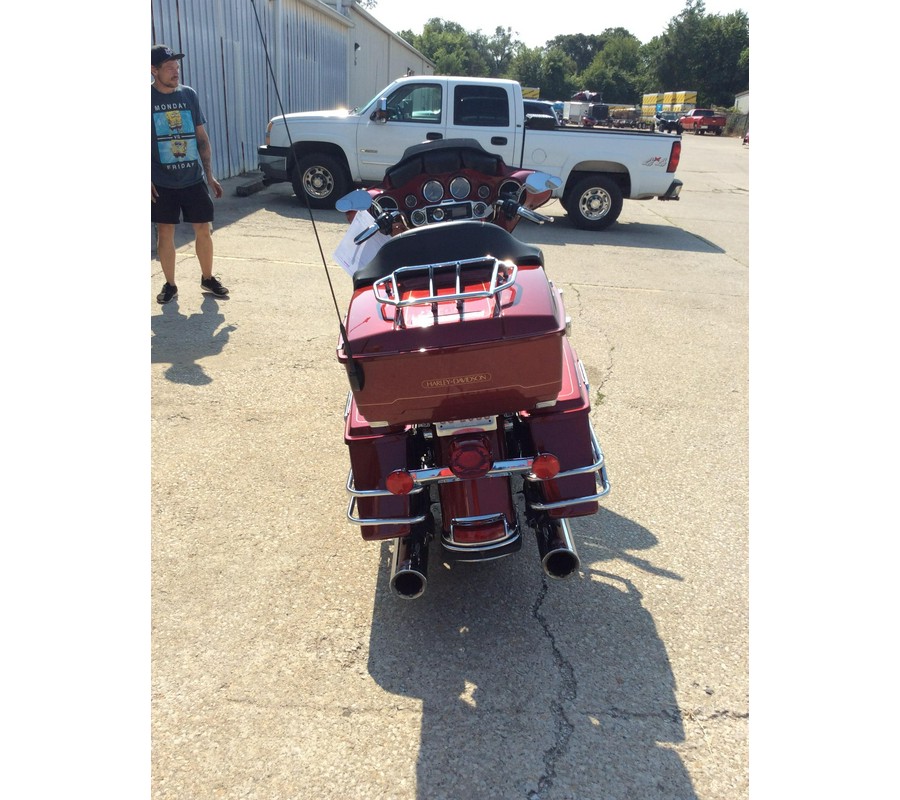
{"points": [[354, 370]]}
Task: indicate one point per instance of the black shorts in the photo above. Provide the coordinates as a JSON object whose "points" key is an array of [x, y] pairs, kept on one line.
{"points": [[193, 201]]}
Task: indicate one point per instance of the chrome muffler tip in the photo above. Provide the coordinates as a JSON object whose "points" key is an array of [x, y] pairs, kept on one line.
{"points": [[559, 558], [561, 563], [409, 568]]}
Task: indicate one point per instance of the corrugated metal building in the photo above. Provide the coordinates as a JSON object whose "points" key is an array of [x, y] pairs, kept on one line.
{"points": [[381, 57], [323, 55]]}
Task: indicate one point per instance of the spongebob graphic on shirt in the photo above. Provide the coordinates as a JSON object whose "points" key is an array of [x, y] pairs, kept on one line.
{"points": [[175, 157], [175, 136]]}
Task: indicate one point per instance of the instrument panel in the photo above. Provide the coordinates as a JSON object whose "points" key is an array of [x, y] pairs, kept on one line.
{"points": [[465, 194]]}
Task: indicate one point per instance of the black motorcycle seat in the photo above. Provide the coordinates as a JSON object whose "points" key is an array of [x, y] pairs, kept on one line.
{"points": [[448, 241]]}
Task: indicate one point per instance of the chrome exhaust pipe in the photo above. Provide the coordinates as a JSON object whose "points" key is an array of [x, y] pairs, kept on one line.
{"points": [[559, 558], [409, 567]]}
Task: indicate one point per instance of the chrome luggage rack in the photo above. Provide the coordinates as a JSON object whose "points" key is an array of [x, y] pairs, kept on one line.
{"points": [[503, 277]]}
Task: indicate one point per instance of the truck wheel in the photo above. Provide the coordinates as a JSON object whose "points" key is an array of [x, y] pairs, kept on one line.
{"points": [[718, 131], [594, 203], [680, 130], [319, 181]]}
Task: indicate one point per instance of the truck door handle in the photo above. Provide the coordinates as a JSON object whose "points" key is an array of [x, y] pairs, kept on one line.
{"points": [[433, 137], [498, 140]]}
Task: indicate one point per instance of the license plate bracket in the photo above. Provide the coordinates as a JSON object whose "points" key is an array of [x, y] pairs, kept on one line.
{"points": [[456, 426]]}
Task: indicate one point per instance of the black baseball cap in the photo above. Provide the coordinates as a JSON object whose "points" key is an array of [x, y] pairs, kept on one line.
{"points": [[162, 52]]}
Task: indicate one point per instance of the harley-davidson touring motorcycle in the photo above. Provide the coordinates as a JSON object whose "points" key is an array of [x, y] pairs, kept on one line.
{"points": [[465, 391]]}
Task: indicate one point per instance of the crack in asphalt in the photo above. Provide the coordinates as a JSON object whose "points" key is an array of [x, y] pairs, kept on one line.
{"points": [[567, 694]]}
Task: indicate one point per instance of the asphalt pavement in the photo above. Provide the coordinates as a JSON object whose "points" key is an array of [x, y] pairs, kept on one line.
{"points": [[283, 667]]}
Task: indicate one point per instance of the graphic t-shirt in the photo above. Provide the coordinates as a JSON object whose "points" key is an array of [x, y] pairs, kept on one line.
{"points": [[175, 160]]}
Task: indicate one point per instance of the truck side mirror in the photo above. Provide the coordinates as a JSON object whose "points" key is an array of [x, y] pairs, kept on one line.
{"points": [[380, 114]]}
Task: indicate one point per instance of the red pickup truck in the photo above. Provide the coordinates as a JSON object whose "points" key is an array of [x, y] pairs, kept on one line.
{"points": [[701, 120]]}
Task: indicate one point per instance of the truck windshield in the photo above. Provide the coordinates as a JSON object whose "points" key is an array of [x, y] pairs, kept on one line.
{"points": [[367, 107], [411, 102]]}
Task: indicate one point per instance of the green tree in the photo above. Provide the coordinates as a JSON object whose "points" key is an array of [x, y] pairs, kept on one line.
{"points": [[727, 41], [453, 50], [557, 75], [696, 51], [526, 66], [615, 70], [706, 53], [580, 47], [498, 50], [551, 70]]}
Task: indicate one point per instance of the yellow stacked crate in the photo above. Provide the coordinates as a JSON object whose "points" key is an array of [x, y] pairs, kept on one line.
{"points": [[679, 102], [648, 105]]}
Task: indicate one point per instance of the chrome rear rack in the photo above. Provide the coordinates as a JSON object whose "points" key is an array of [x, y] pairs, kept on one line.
{"points": [[503, 277]]}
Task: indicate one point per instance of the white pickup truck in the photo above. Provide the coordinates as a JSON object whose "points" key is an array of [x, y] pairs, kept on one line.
{"points": [[324, 153]]}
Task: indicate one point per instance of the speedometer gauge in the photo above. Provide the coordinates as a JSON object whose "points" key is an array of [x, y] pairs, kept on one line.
{"points": [[460, 188], [433, 191]]}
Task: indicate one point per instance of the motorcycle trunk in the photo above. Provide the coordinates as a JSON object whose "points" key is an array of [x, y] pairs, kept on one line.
{"points": [[454, 391]]}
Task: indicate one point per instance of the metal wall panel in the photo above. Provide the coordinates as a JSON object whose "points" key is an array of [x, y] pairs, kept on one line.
{"points": [[310, 49], [381, 58], [225, 61]]}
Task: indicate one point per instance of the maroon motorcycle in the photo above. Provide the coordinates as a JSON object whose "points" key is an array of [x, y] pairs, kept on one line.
{"points": [[466, 393]]}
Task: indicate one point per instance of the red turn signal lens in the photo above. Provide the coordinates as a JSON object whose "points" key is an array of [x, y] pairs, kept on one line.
{"points": [[545, 466], [470, 459], [400, 482]]}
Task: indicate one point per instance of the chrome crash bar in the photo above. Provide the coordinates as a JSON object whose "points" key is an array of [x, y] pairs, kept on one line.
{"points": [[501, 469]]}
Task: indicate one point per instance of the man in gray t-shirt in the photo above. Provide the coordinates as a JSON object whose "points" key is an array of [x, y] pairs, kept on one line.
{"points": [[180, 171]]}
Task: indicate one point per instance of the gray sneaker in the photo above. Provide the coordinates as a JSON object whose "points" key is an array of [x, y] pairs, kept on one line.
{"points": [[214, 286], [168, 293]]}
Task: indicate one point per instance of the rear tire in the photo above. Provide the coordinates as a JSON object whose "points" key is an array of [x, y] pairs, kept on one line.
{"points": [[319, 180], [594, 203]]}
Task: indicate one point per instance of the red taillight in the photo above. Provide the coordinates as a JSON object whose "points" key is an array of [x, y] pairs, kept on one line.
{"points": [[470, 459], [674, 157], [545, 466], [400, 482], [470, 534]]}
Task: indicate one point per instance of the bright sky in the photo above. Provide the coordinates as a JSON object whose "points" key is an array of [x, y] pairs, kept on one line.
{"points": [[535, 23]]}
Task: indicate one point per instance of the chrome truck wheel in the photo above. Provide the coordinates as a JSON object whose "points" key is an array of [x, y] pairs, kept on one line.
{"points": [[595, 203], [319, 180]]}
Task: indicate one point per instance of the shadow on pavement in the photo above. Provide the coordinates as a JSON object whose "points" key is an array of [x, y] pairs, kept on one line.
{"points": [[182, 341], [532, 687]]}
